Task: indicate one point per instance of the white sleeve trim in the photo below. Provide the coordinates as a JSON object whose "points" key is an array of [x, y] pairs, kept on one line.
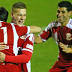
{"points": [[29, 46], [24, 49], [41, 38], [28, 29]]}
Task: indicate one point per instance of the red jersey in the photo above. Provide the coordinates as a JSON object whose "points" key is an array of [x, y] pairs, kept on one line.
{"points": [[26, 46], [10, 35], [60, 34]]}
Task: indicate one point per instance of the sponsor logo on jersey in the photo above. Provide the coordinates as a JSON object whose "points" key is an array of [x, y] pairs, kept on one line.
{"points": [[68, 36], [23, 37]]}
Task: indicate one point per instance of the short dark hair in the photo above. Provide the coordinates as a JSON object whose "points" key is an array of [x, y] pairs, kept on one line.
{"points": [[3, 14], [20, 5], [66, 4]]}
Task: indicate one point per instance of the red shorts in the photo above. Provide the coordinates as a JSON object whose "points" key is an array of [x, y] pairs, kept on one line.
{"points": [[9, 68], [61, 66]]}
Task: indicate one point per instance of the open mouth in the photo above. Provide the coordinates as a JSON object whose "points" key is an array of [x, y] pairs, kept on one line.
{"points": [[20, 21]]}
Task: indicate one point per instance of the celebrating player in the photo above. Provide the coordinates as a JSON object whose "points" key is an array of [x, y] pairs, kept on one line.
{"points": [[61, 31], [10, 35], [18, 17]]}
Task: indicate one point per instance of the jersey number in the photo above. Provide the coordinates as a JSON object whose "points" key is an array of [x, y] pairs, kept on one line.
{"points": [[5, 34]]}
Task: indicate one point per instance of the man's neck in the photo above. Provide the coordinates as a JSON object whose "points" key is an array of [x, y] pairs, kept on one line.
{"points": [[12, 21], [65, 23]]}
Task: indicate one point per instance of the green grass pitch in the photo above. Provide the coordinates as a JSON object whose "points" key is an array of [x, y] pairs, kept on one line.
{"points": [[40, 13]]}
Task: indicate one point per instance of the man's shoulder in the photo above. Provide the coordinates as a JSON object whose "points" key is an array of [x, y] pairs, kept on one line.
{"points": [[70, 21], [69, 25], [53, 24], [4, 24]]}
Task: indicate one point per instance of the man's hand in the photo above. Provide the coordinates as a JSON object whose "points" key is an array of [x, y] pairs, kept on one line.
{"points": [[37, 39], [2, 46], [2, 57], [65, 48]]}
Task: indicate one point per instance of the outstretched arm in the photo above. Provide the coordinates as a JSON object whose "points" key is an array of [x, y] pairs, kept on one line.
{"points": [[34, 29]]}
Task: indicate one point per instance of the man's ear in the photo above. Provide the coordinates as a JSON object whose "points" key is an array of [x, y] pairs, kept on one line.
{"points": [[70, 13], [11, 14]]}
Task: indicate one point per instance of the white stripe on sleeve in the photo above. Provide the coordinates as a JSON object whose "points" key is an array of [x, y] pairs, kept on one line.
{"points": [[24, 49], [29, 46], [28, 31]]}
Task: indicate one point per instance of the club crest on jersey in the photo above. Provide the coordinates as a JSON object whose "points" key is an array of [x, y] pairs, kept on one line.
{"points": [[68, 36], [23, 37]]}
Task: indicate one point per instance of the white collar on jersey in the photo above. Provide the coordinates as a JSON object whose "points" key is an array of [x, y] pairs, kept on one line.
{"points": [[69, 25]]}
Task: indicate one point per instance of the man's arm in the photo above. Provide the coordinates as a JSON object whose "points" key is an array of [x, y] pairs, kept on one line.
{"points": [[34, 29], [23, 30], [23, 58], [26, 55], [43, 36]]}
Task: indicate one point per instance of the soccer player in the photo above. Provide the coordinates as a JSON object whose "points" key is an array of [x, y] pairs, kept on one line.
{"points": [[3, 17], [18, 17], [10, 34], [61, 31], [3, 14]]}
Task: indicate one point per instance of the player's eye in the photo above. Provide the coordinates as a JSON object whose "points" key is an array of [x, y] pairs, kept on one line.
{"points": [[63, 12], [19, 14], [58, 11], [24, 14]]}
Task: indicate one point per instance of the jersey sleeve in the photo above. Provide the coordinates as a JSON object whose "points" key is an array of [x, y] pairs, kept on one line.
{"points": [[27, 51], [22, 30], [28, 44], [45, 34], [23, 58]]}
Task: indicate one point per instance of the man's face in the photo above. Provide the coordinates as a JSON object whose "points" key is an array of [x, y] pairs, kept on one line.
{"points": [[62, 14], [19, 16]]}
